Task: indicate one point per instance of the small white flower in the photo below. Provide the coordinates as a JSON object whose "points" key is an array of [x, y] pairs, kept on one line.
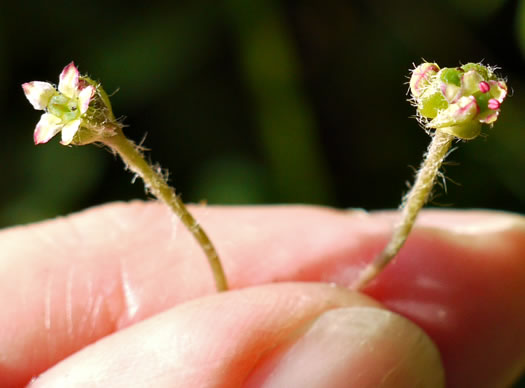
{"points": [[64, 107]]}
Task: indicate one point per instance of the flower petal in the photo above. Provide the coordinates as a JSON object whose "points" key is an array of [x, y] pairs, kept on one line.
{"points": [[466, 131], [84, 98], [498, 90], [470, 82], [39, 93], [48, 126], [463, 111], [69, 131], [489, 117], [68, 84], [451, 92], [422, 77]]}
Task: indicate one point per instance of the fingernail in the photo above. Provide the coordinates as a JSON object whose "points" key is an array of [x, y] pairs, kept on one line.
{"points": [[353, 347], [475, 222], [357, 212], [467, 221]]}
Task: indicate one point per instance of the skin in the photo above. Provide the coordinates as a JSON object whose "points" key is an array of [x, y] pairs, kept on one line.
{"points": [[121, 296]]}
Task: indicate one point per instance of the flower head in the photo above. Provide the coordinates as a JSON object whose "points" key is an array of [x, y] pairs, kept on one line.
{"points": [[457, 100], [65, 108]]}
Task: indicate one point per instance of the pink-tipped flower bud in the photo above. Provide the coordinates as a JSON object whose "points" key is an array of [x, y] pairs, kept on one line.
{"points": [[422, 77], [484, 86], [494, 104]]}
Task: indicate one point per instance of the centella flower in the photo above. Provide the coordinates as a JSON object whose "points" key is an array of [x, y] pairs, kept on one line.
{"points": [[457, 100], [65, 108]]}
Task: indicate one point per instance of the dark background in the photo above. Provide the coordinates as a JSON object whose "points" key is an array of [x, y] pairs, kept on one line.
{"points": [[258, 101]]}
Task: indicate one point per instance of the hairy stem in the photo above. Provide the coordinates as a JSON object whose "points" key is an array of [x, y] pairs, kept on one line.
{"points": [[414, 201], [160, 189]]}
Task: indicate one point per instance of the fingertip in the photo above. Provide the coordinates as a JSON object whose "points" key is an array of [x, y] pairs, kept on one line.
{"points": [[212, 341], [360, 346], [460, 277]]}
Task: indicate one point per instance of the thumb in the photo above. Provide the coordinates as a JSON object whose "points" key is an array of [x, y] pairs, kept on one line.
{"points": [[277, 335], [353, 347]]}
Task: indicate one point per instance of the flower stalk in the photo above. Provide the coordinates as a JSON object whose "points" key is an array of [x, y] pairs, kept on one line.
{"points": [[415, 200], [80, 109], [455, 102], [157, 185]]}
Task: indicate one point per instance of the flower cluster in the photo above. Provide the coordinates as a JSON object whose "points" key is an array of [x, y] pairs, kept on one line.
{"points": [[457, 100], [79, 104]]}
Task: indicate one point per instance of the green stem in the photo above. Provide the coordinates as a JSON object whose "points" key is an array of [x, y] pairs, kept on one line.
{"points": [[160, 189], [414, 201]]}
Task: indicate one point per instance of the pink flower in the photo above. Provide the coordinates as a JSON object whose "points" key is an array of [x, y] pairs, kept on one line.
{"points": [[64, 108]]}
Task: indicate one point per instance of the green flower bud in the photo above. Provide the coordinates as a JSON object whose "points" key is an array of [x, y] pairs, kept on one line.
{"points": [[485, 71], [431, 101], [422, 77]]}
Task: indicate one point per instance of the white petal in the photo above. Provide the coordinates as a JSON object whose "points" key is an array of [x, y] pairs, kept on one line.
{"points": [[68, 84], [39, 93], [459, 113], [498, 90], [84, 98], [69, 130], [48, 126]]}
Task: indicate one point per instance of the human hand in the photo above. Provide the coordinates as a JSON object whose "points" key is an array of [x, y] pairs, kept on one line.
{"points": [[129, 277]]}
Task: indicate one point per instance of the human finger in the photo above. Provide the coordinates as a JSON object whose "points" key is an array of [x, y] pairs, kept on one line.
{"points": [[280, 335], [83, 277]]}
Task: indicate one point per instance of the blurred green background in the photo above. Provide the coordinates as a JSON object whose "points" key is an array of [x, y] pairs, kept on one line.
{"points": [[258, 101]]}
